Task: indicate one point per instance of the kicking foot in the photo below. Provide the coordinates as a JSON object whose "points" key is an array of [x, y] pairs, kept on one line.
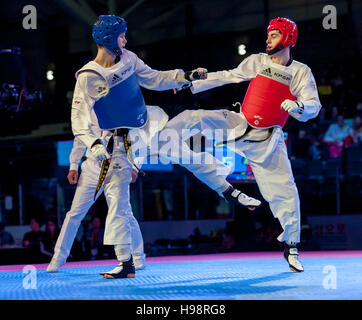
{"points": [[237, 197], [123, 270], [291, 255]]}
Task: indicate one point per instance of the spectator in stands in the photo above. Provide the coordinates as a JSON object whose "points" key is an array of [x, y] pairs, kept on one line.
{"points": [[356, 135], [324, 88], [94, 239], [33, 238], [6, 239], [49, 237], [325, 91], [300, 148], [228, 242], [334, 115], [316, 150], [335, 137]]}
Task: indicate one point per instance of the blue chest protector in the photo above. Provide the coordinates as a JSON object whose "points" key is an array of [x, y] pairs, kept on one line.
{"points": [[122, 107]]}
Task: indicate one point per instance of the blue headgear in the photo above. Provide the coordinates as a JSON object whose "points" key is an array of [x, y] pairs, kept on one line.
{"points": [[106, 31]]}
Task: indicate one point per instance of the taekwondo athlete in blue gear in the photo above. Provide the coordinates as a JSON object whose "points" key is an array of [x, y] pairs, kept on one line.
{"points": [[82, 202], [100, 92]]}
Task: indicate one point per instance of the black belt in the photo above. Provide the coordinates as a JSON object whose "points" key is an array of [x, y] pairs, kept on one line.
{"points": [[248, 129], [122, 132], [105, 163], [102, 176]]}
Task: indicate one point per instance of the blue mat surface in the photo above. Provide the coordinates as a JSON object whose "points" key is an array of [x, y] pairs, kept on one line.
{"points": [[338, 278]]}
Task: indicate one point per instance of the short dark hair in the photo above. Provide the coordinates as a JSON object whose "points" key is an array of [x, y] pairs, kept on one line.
{"points": [[37, 219]]}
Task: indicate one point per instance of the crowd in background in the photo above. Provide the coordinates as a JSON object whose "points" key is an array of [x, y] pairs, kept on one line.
{"points": [[338, 125], [40, 241]]}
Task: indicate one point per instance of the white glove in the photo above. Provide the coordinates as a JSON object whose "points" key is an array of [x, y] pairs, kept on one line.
{"points": [[100, 152], [291, 106]]}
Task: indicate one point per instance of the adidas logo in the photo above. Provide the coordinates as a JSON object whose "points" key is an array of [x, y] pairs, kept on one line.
{"points": [[115, 79], [267, 71], [101, 90], [276, 74]]}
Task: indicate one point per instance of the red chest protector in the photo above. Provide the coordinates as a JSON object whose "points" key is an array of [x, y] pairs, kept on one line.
{"points": [[266, 92]]}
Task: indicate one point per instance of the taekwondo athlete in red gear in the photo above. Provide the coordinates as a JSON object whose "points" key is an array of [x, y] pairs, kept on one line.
{"points": [[109, 89], [279, 87]]}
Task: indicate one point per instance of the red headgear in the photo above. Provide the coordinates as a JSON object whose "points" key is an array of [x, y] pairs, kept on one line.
{"points": [[288, 30]]}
